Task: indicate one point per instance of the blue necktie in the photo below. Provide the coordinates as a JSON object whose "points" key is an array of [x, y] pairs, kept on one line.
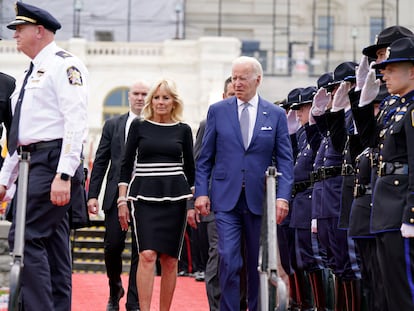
{"points": [[14, 128], [245, 124]]}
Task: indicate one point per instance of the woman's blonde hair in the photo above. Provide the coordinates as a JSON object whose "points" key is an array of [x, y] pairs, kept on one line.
{"points": [[171, 88]]}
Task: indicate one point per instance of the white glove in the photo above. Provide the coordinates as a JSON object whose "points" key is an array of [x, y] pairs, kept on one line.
{"points": [[320, 101], [341, 98], [293, 122], [314, 226], [371, 88], [361, 72], [311, 118], [407, 231]]}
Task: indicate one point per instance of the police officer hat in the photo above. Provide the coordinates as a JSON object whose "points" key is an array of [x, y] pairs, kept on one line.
{"points": [[385, 38], [29, 14], [293, 96], [282, 103], [401, 50], [305, 97], [325, 79], [343, 72]]}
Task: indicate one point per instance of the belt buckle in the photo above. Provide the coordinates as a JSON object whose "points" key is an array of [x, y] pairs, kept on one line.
{"points": [[322, 172]]}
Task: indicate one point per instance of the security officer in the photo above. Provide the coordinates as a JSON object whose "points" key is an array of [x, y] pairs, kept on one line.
{"points": [[340, 250], [306, 264], [50, 122], [392, 217]]}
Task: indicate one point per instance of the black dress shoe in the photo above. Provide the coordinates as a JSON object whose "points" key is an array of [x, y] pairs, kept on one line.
{"points": [[132, 309], [113, 302]]}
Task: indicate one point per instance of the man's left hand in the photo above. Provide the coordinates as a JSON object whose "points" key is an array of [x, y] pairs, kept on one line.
{"points": [[60, 191], [282, 210]]}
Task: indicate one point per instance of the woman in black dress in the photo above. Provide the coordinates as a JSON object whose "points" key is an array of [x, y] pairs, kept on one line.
{"points": [[159, 157]]}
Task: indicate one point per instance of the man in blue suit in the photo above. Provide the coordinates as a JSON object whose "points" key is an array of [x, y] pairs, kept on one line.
{"points": [[236, 154]]}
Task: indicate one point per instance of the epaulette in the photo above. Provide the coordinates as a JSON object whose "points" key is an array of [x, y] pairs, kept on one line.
{"points": [[63, 54]]}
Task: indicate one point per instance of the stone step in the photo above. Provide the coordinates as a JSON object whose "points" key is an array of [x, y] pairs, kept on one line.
{"points": [[88, 249]]}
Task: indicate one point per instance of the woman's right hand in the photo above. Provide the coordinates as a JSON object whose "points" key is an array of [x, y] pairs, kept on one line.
{"points": [[123, 216]]}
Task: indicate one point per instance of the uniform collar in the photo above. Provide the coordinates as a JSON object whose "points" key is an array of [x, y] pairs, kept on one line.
{"points": [[44, 53]]}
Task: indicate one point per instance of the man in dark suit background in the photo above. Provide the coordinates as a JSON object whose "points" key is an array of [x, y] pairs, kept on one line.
{"points": [[236, 154], [109, 154]]}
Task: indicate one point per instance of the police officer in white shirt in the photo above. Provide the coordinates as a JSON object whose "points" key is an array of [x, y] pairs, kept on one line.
{"points": [[52, 126]]}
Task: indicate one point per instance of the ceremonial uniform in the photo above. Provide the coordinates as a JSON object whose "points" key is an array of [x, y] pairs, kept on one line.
{"points": [[52, 127], [393, 194], [308, 265]]}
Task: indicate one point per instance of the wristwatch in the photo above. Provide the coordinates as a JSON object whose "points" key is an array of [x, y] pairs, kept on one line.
{"points": [[64, 176]]}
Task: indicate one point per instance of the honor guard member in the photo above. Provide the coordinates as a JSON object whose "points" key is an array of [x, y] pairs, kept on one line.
{"points": [[285, 233], [392, 217], [307, 266], [50, 122], [366, 166], [340, 249]]}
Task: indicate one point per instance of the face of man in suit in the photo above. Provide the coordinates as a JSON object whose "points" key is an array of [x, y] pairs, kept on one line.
{"points": [[245, 80], [136, 96], [229, 91]]}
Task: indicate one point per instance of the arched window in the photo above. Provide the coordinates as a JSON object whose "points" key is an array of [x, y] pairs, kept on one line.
{"points": [[116, 103]]}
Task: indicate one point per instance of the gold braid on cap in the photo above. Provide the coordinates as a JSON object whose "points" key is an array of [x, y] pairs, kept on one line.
{"points": [[27, 19]]}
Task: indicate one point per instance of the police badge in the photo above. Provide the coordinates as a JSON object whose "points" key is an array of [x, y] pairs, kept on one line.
{"points": [[74, 76]]}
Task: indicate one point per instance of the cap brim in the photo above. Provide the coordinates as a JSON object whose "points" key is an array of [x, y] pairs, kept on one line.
{"points": [[350, 79], [371, 51], [296, 106], [384, 63], [330, 86], [12, 25]]}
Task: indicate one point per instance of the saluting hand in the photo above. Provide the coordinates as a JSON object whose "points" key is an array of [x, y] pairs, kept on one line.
{"points": [[341, 98]]}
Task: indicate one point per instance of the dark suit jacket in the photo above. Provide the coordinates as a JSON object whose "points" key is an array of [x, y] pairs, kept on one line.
{"points": [[224, 158], [109, 154], [7, 85]]}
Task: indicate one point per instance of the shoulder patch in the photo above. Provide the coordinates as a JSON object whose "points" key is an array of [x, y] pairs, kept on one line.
{"points": [[63, 54], [74, 76]]}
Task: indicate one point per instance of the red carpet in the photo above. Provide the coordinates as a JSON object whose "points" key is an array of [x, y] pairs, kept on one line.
{"points": [[90, 292]]}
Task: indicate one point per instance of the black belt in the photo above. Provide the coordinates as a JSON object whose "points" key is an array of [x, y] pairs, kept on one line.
{"points": [[347, 170], [325, 172], [42, 145], [393, 168], [300, 186], [360, 190]]}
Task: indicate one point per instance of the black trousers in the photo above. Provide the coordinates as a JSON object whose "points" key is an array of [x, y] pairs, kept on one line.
{"points": [[114, 245]]}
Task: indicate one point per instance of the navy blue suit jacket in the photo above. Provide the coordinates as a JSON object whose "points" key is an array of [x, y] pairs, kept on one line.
{"points": [[224, 158]]}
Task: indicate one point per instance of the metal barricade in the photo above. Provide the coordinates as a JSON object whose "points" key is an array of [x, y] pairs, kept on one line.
{"points": [[273, 291], [20, 221]]}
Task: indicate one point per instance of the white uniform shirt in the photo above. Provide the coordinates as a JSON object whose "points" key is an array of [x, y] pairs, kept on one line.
{"points": [[54, 106]]}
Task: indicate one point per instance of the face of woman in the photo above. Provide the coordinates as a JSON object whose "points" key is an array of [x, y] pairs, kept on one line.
{"points": [[162, 103]]}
